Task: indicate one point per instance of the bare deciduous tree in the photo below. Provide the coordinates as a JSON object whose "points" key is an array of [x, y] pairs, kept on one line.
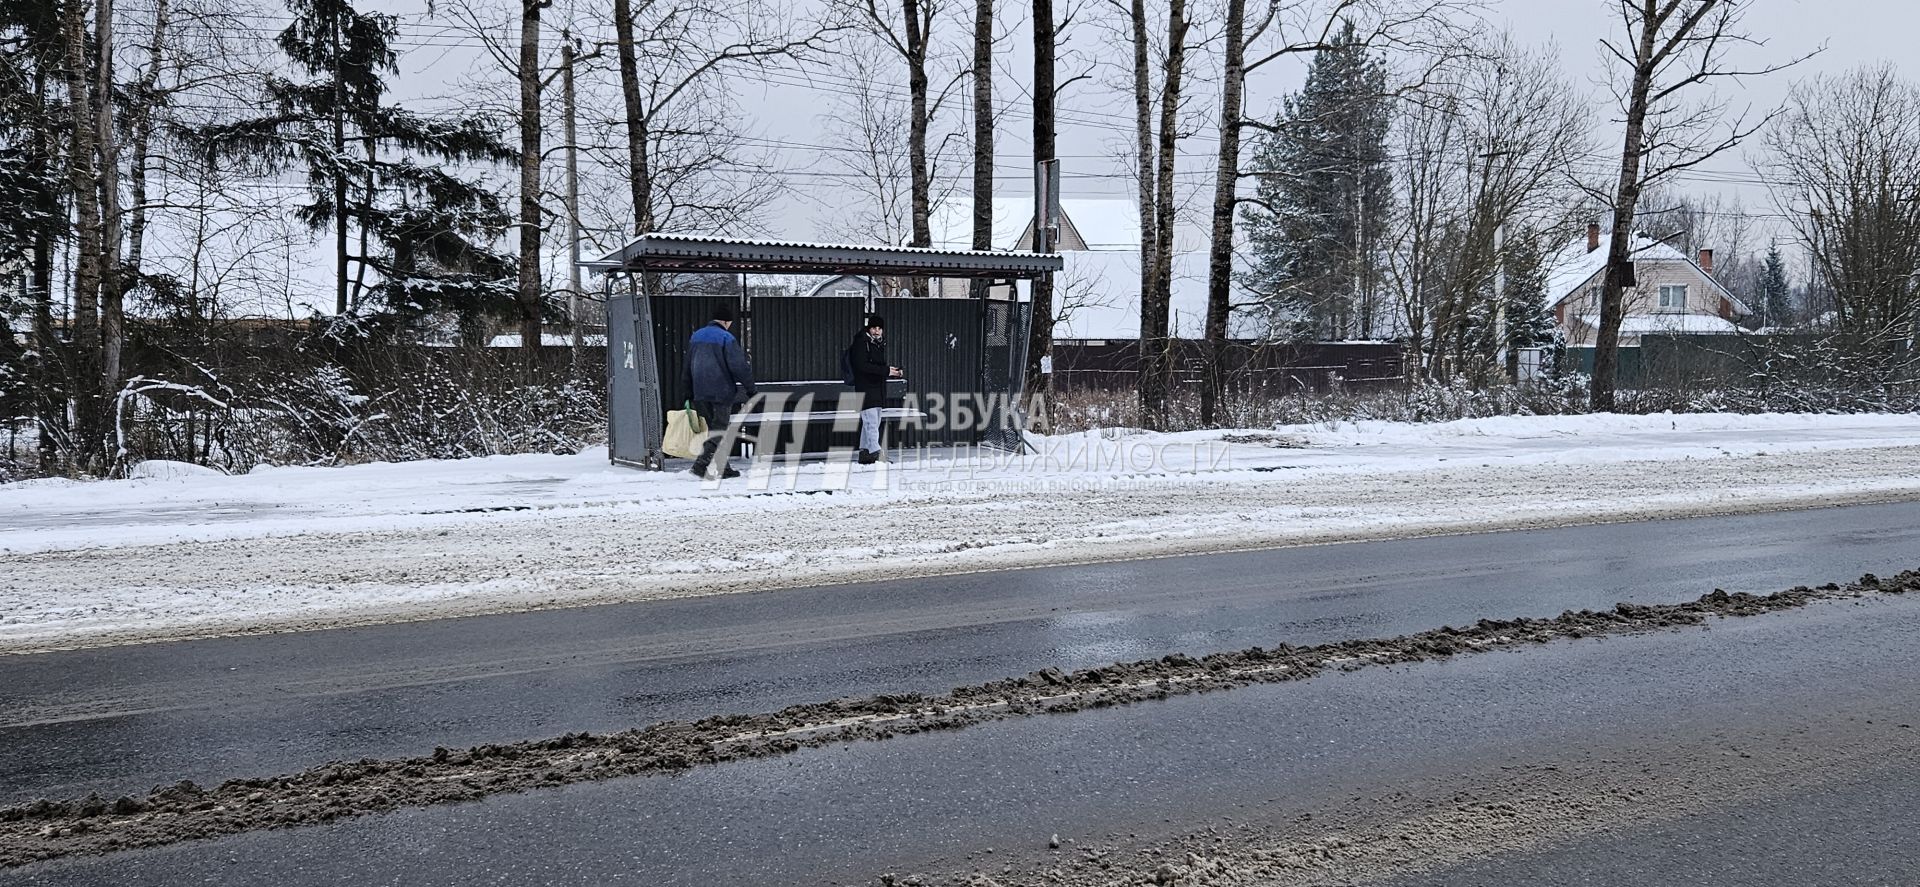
{"points": [[982, 73], [1484, 155], [671, 54], [1671, 50], [868, 152], [1156, 138], [909, 36], [90, 256], [530, 292], [1431, 32], [1846, 159]]}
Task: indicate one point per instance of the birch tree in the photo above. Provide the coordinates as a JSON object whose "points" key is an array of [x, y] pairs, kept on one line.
{"points": [[1157, 96]]}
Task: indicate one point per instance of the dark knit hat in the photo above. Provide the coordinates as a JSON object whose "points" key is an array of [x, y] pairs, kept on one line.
{"points": [[723, 311], [875, 320]]}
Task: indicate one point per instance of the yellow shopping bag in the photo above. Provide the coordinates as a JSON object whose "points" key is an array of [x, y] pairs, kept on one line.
{"points": [[686, 432]]}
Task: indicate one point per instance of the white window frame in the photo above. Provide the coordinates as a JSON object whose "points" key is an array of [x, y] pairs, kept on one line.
{"points": [[1673, 297]]}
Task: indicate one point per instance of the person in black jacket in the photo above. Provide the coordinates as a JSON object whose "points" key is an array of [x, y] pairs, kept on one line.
{"points": [[867, 361], [718, 376]]}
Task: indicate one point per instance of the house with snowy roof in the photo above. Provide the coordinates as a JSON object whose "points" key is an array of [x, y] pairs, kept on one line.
{"points": [[1097, 292], [1087, 224], [1672, 292]]}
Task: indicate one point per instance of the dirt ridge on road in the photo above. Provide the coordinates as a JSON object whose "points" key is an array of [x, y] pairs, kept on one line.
{"points": [[47, 829]]}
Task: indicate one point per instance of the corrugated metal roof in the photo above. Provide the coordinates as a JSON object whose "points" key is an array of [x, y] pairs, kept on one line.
{"points": [[682, 252]]}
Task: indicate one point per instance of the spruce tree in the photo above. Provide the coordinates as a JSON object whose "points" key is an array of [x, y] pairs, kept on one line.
{"points": [[1323, 197], [1528, 325], [1776, 297], [34, 219], [381, 177]]}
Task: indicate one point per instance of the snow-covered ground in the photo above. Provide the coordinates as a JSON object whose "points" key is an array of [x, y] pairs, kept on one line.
{"points": [[180, 551]]}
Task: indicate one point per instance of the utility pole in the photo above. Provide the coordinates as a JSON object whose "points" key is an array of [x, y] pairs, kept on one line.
{"points": [[1358, 304], [1503, 356], [573, 201], [1046, 216]]}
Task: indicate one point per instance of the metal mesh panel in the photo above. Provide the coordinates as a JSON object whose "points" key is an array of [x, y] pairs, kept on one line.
{"points": [[1003, 371]]}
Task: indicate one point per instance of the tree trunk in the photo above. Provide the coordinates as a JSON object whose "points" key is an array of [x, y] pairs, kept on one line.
{"points": [[1226, 181], [1143, 134], [530, 291], [1040, 308], [369, 185], [983, 131], [113, 315], [84, 344], [920, 175], [49, 406], [141, 126], [639, 178], [917, 126], [1144, 163], [1606, 347], [1154, 369], [573, 207], [49, 409], [339, 171]]}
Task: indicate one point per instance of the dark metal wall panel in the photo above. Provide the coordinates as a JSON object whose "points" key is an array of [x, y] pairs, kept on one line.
{"points": [[1252, 367], [800, 338], [675, 318], [937, 344]]}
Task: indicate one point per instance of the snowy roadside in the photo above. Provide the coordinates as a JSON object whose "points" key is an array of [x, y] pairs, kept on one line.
{"points": [[182, 554]]}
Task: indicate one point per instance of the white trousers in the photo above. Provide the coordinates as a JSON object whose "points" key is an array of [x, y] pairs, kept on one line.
{"points": [[870, 430]]}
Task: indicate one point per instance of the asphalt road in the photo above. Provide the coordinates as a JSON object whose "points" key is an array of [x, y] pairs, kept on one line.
{"points": [[124, 719], [1679, 717]]}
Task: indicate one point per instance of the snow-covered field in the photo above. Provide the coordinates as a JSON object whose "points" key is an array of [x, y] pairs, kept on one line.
{"points": [[180, 551]]}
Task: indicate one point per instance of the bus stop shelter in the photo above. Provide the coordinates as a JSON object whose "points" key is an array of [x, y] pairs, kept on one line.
{"points": [[949, 347]]}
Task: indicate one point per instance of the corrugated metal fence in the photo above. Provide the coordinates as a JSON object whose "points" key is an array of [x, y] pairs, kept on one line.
{"points": [[962, 358], [936, 345], [800, 338], [675, 318], [1267, 368]]}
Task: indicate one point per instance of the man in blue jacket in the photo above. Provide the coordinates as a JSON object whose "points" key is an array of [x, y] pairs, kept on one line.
{"points": [[719, 377]]}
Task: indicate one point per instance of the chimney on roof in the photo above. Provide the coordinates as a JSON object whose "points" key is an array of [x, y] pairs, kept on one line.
{"points": [[1593, 236], [1706, 260]]}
